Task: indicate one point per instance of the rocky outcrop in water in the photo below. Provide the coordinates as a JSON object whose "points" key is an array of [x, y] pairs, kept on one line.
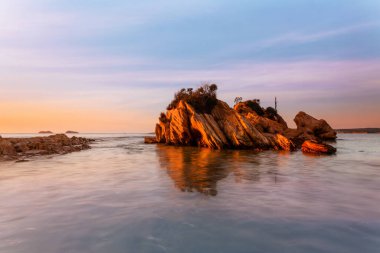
{"points": [[223, 128], [246, 126], [21, 148], [314, 147]]}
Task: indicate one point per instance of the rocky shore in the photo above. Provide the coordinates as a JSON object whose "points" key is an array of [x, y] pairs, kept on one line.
{"points": [[246, 126], [23, 148]]}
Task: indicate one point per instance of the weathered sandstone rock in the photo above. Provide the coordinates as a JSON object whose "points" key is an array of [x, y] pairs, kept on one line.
{"points": [[224, 127], [267, 121], [280, 142], [314, 129], [247, 126], [314, 147]]}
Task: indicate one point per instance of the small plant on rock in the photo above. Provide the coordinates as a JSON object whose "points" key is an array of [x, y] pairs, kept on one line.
{"points": [[202, 99]]}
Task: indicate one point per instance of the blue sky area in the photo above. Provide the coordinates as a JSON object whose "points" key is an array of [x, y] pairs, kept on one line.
{"points": [[114, 65]]}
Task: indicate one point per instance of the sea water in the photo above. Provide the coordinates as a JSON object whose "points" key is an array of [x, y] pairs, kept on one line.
{"points": [[126, 196]]}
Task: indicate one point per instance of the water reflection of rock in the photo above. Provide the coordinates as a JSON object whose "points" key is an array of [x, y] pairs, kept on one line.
{"points": [[201, 169]]}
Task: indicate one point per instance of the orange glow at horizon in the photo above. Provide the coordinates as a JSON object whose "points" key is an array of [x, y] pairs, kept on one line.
{"points": [[33, 117]]}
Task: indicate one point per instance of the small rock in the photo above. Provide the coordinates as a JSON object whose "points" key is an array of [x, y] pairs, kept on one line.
{"points": [[6, 148], [317, 148], [150, 140]]}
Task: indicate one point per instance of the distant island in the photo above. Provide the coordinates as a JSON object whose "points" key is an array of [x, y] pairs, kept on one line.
{"points": [[359, 131], [45, 132], [72, 132]]}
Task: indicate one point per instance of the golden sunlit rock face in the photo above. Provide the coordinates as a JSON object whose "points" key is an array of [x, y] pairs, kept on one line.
{"points": [[223, 128], [246, 126], [317, 148]]}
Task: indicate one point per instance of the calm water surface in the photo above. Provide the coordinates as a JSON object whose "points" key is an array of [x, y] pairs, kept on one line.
{"points": [[124, 196]]}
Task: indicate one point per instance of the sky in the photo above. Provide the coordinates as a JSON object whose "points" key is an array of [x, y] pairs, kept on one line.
{"points": [[114, 65]]}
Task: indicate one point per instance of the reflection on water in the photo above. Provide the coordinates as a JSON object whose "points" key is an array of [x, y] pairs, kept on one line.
{"points": [[200, 169], [125, 196], [193, 169]]}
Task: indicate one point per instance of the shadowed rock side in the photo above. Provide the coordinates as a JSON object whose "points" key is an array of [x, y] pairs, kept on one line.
{"points": [[246, 126], [20, 148], [313, 129]]}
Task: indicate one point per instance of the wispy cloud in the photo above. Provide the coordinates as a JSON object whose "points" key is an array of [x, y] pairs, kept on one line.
{"points": [[41, 20], [289, 39], [295, 38]]}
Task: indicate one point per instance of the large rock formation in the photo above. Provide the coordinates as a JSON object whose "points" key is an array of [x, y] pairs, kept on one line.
{"points": [[20, 148], [224, 127], [246, 126]]}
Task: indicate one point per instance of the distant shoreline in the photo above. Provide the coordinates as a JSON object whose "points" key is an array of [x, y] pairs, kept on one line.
{"points": [[359, 131]]}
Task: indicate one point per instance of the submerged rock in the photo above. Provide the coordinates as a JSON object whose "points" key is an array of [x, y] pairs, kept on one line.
{"points": [[314, 147], [19, 148]]}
